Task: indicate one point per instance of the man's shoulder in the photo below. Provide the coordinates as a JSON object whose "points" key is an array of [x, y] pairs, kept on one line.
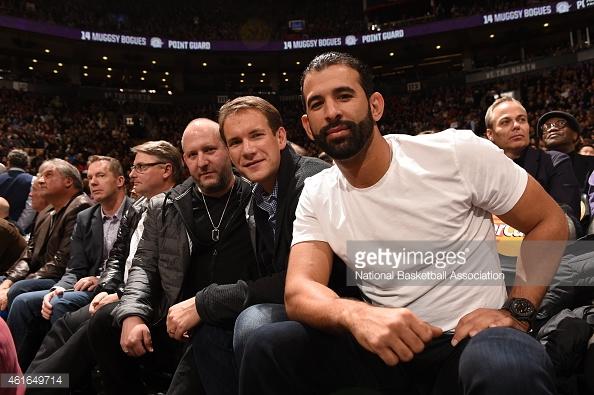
{"points": [[323, 180], [158, 200], [78, 204], [177, 192], [16, 173], [309, 166], [447, 136], [556, 157], [8, 228], [89, 212]]}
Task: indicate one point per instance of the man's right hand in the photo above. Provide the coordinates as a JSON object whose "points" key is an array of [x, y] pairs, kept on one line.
{"points": [[6, 284], [394, 334], [46, 306], [136, 337], [3, 298], [102, 299]]}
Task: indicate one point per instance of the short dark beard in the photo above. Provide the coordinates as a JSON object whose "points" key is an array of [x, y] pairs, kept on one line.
{"points": [[219, 187], [351, 145]]}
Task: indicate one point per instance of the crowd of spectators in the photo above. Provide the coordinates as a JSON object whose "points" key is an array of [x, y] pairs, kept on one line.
{"points": [[192, 20], [62, 127], [254, 21], [570, 88], [66, 127]]}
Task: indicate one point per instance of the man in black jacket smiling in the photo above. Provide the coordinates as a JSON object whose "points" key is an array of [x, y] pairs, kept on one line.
{"points": [[256, 140]]}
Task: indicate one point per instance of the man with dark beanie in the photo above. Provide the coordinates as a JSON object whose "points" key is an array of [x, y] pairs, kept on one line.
{"points": [[561, 132]]}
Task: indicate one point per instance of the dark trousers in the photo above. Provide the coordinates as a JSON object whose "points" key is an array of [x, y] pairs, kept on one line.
{"points": [[291, 358], [208, 366], [122, 374], [66, 349], [29, 327], [213, 355]]}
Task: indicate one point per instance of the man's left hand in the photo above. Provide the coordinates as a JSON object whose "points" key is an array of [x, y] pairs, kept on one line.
{"points": [[181, 318], [86, 283], [474, 322]]}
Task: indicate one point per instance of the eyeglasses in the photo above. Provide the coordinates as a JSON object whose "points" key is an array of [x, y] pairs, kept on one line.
{"points": [[558, 124], [142, 167]]}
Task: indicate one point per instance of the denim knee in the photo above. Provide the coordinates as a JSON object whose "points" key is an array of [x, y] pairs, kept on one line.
{"points": [[505, 360], [251, 319]]}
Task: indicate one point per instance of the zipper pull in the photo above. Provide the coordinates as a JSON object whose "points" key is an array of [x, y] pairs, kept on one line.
{"points": [[214, 253]]}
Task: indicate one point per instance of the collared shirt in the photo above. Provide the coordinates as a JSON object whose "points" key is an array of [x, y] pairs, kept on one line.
{"points": [[268, 203], [111, 224]]}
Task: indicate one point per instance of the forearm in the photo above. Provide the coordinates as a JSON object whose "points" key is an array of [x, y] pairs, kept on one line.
{"points": [[318, 306], [540, 254], [18, 271], [221, 304]]}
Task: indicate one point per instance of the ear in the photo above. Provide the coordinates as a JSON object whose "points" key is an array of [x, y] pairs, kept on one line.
{"points": [[68, 182], [120, 181], [489, 134], [376, 104], [168, 173], [305, 124], [281, 135], [185, 159]]}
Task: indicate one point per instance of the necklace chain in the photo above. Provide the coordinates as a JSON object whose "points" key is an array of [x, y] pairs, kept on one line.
{"points": [[214, 234]]}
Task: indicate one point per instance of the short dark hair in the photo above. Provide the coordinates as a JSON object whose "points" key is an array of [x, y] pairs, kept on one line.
{"points": [[18, 158], [328, 59]]}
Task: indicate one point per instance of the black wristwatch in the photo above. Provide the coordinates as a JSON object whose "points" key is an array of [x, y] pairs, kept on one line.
{"points": [[521, 309]]}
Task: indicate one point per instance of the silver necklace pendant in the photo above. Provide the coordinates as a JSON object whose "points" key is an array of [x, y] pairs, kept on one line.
{"points": [[214, 234]]}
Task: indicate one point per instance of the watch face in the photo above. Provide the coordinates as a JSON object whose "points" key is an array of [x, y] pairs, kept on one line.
{"points": [[522, 308]]}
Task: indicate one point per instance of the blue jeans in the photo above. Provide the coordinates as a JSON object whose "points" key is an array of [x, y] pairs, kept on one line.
{"points": [[499, 361], [251, 319], [27, 285], [292, 358], [27, 324]]}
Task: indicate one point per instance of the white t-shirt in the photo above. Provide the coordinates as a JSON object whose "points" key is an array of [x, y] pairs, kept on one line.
{"points": [[437, 194]]}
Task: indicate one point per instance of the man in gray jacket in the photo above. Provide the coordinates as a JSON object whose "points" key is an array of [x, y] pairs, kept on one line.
{"points": [[193, 236]]}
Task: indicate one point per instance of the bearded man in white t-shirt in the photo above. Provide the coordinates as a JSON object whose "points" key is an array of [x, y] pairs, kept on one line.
{"points": [[412, 217]]}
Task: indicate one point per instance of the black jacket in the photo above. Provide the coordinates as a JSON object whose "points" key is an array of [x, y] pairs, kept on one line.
{"points": [[573, 284], [583, 166], [218, 304], [112, 278], [163, 256], [86, 248], [554, 172]]}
